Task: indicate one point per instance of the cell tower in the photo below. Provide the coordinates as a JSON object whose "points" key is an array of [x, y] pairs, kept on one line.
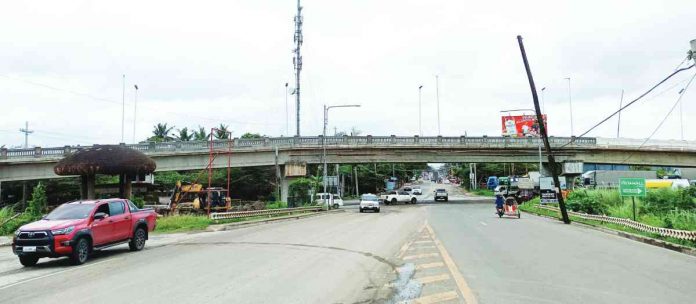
{"points": [[297, 60]]}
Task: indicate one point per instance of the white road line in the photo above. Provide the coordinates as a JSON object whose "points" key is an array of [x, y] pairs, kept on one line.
{"points": [[464, 288], [430, 265], [436, 298], [53, 273], [420, 256], [435, 278], [482, 223]]}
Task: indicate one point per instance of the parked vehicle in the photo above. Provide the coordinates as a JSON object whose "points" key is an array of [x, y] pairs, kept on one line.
{"points": [[393, 197], [79, 228], [417, 191], [492, 182], [441, 194], [369, 202], [334, 200], [610, 179], [504, 191]]}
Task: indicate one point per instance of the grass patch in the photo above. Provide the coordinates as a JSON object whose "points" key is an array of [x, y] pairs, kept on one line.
{"points": [[182, 223], [276, 205], [483, 192]]}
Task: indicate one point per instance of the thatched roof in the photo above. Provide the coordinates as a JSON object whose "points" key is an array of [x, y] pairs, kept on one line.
{"points": [[106, 159]]}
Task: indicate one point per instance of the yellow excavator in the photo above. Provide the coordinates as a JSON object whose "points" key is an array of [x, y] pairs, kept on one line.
{"points": [[193, 198]]}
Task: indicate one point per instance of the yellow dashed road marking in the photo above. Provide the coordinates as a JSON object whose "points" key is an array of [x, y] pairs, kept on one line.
{"points": [[435, 278], [420, 247], [423, 242], [436, 298], [458, 278], [420, 256], [430, 265]]}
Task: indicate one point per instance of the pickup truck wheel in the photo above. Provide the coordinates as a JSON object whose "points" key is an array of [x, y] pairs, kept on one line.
{"points": [[335, 206], [446, 199], [393, 201], [28, 260], [413, 201], [80, 252], [137, 243]]}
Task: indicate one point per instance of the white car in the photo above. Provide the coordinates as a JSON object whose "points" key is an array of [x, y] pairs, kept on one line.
{"points": [[417, 191], [369, 202], [334, 200]]}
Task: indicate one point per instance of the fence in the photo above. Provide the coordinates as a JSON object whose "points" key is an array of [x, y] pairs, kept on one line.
{"points": [[666, 232], [269, 212], [241, 144]]}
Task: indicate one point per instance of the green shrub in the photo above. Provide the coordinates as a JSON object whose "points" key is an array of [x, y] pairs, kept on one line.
{"points": [[138, 201], [680, 219], [664, 200], [14, 224], [39, 202], [276, 205], [591, 202]]}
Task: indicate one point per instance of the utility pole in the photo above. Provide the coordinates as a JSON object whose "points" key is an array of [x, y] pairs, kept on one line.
{"points": [[618, 125], [437, 97], [26, 132], [135, 110], [297, 61], [543, 103], [570, 102], [123, 108], [420, 119], [542, 128], [357, 190]]}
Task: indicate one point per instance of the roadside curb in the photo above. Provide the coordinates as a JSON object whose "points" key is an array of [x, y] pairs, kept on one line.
{"points": [[634, 237], [5, 241], [231, 226]]}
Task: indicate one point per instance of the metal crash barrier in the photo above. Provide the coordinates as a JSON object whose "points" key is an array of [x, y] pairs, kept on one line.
{"points": [[665, 232], [269, 212]]}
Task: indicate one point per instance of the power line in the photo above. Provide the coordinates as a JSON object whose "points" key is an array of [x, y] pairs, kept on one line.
{"points": [[628, 104], [681, 94], [111, 101]]}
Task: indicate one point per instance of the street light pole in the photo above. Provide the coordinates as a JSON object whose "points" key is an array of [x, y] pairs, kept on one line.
{"points": [[420, 119], [437, 97], [123, 106], [543, 103], [323, 144], [570, 102], [135, 110]]}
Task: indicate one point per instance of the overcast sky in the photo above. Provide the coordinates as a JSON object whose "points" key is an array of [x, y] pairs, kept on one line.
{"points": [[201, 63]]}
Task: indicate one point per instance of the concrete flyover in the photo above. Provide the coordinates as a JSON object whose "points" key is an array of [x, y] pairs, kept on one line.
{"points": [[37, 163]]}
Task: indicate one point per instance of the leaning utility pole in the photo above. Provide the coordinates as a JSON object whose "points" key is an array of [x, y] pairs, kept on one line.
{"points": [[26, 132], [297, 61], [542, 128]]}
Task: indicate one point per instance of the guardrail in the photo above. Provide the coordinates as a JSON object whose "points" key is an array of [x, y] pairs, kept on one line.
{"points": [[666, 232], [270, 212], [241, 144]]}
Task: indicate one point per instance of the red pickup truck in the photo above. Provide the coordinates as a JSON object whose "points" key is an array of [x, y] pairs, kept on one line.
{"points": [[78, 228]]}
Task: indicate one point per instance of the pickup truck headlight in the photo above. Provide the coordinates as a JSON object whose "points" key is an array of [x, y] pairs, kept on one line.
{"points": [[17, 232], [62, 231]]}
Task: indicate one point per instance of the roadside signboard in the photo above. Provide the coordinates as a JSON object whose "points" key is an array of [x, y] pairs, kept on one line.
{"points": [[547, 190], [521, 125], [632, 187]]}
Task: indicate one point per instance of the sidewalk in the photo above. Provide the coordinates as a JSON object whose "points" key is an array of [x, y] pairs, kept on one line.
{"points": [[5, 241]]}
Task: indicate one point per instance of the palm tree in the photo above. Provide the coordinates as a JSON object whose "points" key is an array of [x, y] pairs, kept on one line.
{"points": [[201, 134], [161, 133], [222, 132], [184, 134]]}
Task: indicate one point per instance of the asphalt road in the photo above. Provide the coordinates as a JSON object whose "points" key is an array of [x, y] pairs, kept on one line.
{"points": [[427, 253]]}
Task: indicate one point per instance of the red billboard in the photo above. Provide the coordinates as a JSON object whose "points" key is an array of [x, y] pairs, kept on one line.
{"points": [[522, 125]]}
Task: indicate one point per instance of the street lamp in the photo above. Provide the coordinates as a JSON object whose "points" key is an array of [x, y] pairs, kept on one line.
{"points": [[420, 120], [543, 104], [323, 144], [570, 102], [135, 110]]}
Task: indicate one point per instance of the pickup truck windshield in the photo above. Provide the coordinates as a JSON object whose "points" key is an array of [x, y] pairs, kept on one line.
{"points": [[441, 190], [70, 212]]}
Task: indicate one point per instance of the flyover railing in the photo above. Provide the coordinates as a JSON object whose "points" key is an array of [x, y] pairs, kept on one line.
{"points": [[216, 216], [313, 142]]}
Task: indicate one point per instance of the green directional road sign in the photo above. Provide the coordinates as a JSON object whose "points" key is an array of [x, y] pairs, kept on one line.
{"points": [[632, 187]]}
